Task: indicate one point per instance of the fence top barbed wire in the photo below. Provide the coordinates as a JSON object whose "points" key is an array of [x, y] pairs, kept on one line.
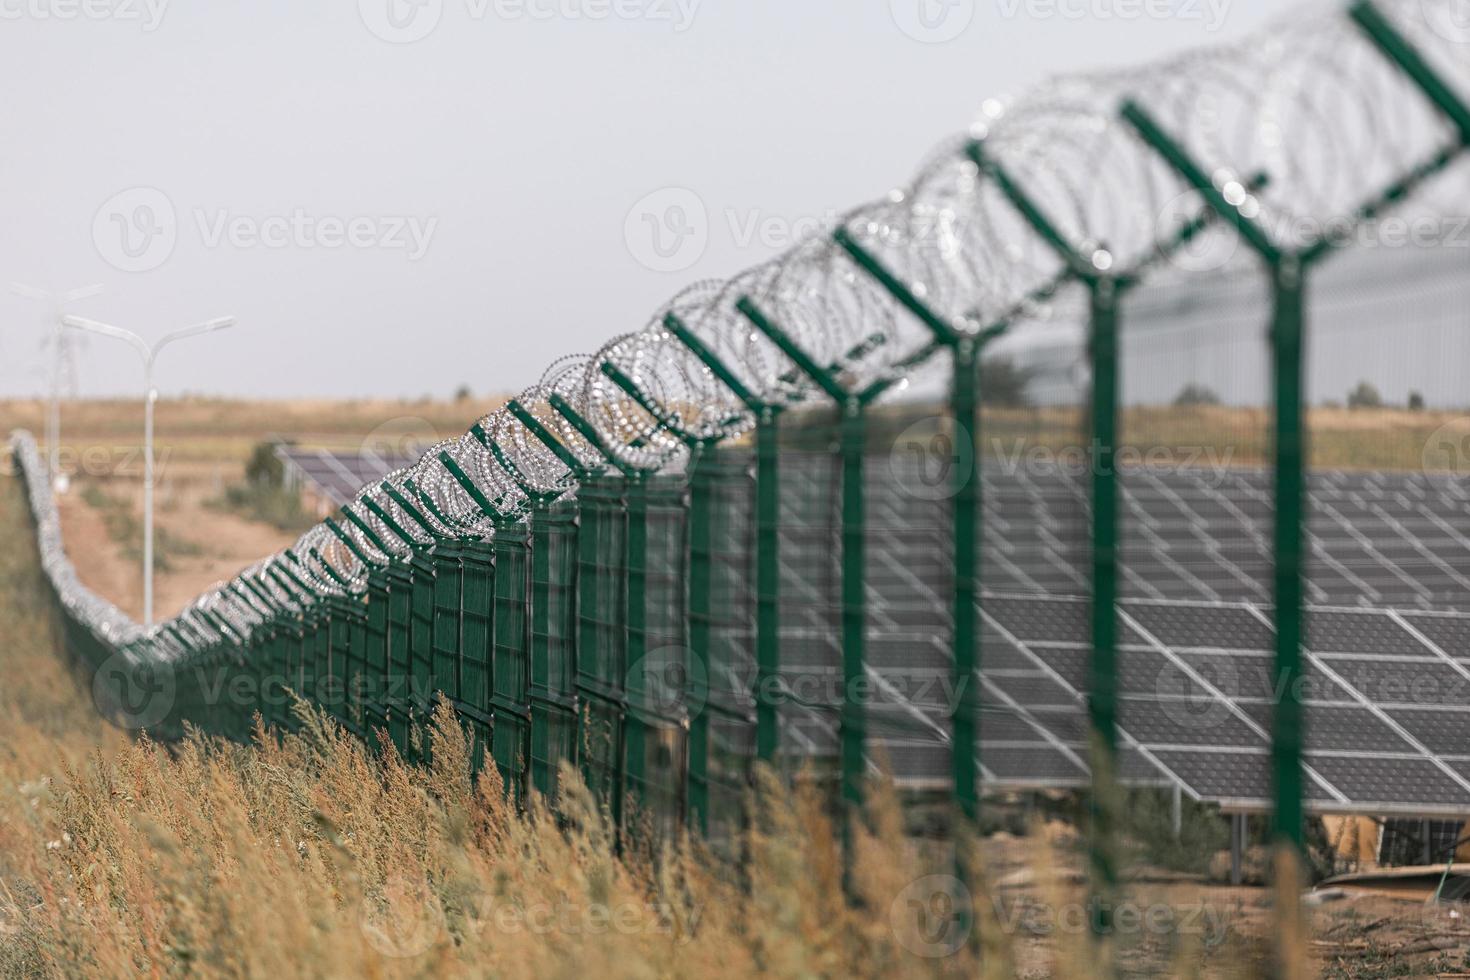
{"points": [[1302, 125]]}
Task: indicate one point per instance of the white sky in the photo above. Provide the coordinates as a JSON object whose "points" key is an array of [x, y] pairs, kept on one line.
{"points": [[518, 137]]}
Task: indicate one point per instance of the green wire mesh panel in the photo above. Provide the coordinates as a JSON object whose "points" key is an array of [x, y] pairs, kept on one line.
{"points": [[448, 618], [378, 674], [347, 663], [1035, 628], [263, 666], [659, 683], [510, 698], [421, 634], [553, 651], [1196, 558], [318, 667], [298, 653], [600, 630], [359, 672], [401, 709], [478, 619], [721, 622], [807, 680], [913, 453]]}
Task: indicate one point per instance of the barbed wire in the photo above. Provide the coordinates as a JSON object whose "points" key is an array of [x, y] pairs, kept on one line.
{"points": [[1301, 125]]}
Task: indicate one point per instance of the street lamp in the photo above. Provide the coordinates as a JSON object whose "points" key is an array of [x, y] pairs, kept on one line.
{"points": [[149, 355], [55, 304]]}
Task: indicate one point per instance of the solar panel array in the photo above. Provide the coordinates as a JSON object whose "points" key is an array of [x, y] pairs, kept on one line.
{"points": [[339, 476], [1387, 689]]}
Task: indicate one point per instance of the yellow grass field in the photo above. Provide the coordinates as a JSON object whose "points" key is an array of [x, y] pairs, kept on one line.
{"points": [[305, 856]]}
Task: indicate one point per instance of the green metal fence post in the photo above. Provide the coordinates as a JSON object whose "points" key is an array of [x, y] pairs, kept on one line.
{"points": [[852, 448], [620, 523], [965, 646], [1286, 345], [553, 693], [663, 619], [477, 682], [767, 557]]}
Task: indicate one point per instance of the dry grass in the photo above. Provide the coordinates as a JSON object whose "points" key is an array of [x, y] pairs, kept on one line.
{"points": [[306, 856]]}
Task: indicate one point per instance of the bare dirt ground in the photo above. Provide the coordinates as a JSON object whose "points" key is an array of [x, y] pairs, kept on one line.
{"points": [[226, 543], [201, 446], [1181, 925]]}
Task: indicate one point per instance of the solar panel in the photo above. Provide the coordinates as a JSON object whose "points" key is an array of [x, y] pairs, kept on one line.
{"points": [[1387, 703], [339, 476]]}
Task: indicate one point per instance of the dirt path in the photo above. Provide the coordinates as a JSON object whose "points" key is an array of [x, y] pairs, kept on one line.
{"points": [[226, 544]]}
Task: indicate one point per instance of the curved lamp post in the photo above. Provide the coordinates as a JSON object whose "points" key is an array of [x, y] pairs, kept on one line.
{"points": [[149, 356]]}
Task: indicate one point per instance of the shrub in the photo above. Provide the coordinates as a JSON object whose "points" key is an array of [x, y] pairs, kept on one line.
{"points": [[1364, 396], [1195, 394]]}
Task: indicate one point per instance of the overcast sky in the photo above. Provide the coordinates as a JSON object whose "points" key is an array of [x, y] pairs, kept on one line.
{"points": [[396, 197]]}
